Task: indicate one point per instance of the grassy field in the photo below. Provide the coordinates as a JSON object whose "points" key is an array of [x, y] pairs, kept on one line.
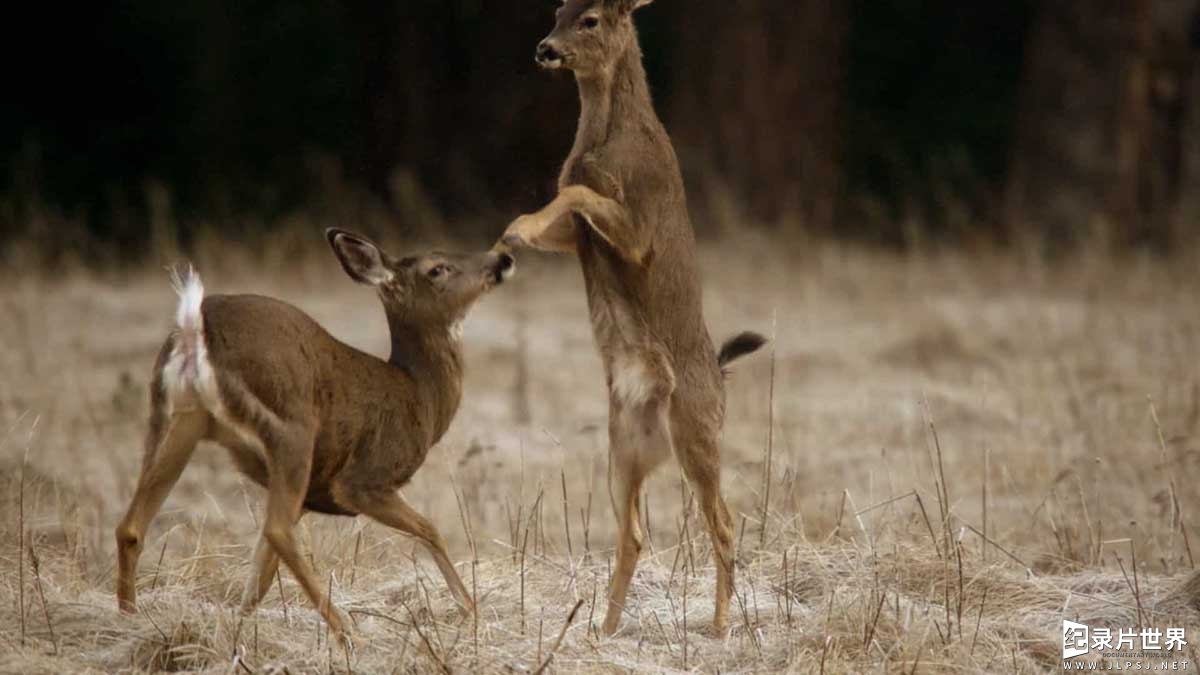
{"points": [[938, 460]]}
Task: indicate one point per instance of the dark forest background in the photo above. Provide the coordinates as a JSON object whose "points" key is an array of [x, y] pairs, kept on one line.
{"points": [[886, 121]]}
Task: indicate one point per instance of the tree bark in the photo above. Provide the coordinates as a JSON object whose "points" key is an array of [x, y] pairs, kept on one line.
{"points": [[1099, 131], [759, 101], [1176, 97]]}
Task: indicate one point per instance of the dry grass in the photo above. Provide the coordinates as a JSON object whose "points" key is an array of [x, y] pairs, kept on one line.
{"points": [[922, 407]]}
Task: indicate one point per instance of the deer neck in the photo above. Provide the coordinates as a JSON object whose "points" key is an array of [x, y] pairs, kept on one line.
{"points": [[432, 358], [612, 97]]}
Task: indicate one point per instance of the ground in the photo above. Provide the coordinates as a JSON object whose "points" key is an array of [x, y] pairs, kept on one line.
{"points": [[938, 459]]}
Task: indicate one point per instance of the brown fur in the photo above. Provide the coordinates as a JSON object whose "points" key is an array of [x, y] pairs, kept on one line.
{"points": [[323, 426], [622, 208]]}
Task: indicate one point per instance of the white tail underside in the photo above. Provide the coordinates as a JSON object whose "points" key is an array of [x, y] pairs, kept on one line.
{"points": [[188, 372]]}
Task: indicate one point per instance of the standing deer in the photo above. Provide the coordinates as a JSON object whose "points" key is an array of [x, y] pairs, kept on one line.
{"points": [[621, 207], [323, 426]]}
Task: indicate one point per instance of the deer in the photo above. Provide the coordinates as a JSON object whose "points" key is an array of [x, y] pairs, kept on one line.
{"points": [[322, 426], [621, 208]]}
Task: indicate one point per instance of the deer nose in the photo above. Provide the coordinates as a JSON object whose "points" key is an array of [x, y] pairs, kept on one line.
{"points": [[547, 53], [505, 267]]}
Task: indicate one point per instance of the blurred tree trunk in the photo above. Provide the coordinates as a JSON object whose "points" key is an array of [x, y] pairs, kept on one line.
{"points": [[759, 100], [398, 66], [1177, 93], [1101, 122], [457, 117]]}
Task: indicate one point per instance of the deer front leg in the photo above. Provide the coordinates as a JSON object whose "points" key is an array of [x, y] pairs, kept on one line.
{"points": [[552, 228], [543, 231], [389, 508]]}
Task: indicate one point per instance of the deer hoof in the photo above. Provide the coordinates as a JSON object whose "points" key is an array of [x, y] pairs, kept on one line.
{"points": [[718, 632]]}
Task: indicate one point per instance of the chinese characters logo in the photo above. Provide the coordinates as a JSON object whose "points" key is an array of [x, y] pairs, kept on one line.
{"points": [[1078, 639]]}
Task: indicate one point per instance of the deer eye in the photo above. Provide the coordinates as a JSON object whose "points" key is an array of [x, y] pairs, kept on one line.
{"points": [[437, 271], [589, 22]]}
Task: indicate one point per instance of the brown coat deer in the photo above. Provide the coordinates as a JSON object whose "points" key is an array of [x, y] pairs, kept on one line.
{"points": [[323, 426], [621, 207]]}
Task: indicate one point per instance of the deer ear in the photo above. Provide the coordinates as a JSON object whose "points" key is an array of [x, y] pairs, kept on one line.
{"points": [[634, 5], [361, 259], [630, 6]]}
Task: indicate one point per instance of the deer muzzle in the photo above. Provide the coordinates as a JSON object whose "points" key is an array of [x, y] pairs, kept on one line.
{"points": [[548, 55], [503, 269]]}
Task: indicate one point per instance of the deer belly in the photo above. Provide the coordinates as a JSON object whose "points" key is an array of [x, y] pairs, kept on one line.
{"points": [[614, 324], [321, 501], [637, 377], [631, 381]]}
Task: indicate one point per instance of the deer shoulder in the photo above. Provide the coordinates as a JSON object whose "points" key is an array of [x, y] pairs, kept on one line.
{"points": [[600, 173]]}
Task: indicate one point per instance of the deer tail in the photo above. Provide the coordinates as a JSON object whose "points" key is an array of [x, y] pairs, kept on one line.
{"points": [[189, 367], [739, 346]]}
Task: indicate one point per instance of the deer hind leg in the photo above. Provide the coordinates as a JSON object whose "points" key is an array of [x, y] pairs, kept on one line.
{"points": [[639, 441], [700, 459], [288, 444], [249, 456], [265, 565], [169, 445], [389, 508], [290, 470]]}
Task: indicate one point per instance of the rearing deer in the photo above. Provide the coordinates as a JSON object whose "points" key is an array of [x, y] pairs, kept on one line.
{"points": [[323, 426], [621, 207]]}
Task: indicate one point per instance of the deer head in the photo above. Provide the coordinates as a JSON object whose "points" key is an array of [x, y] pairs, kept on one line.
{"points": [[431, 289], [589, 35]]}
